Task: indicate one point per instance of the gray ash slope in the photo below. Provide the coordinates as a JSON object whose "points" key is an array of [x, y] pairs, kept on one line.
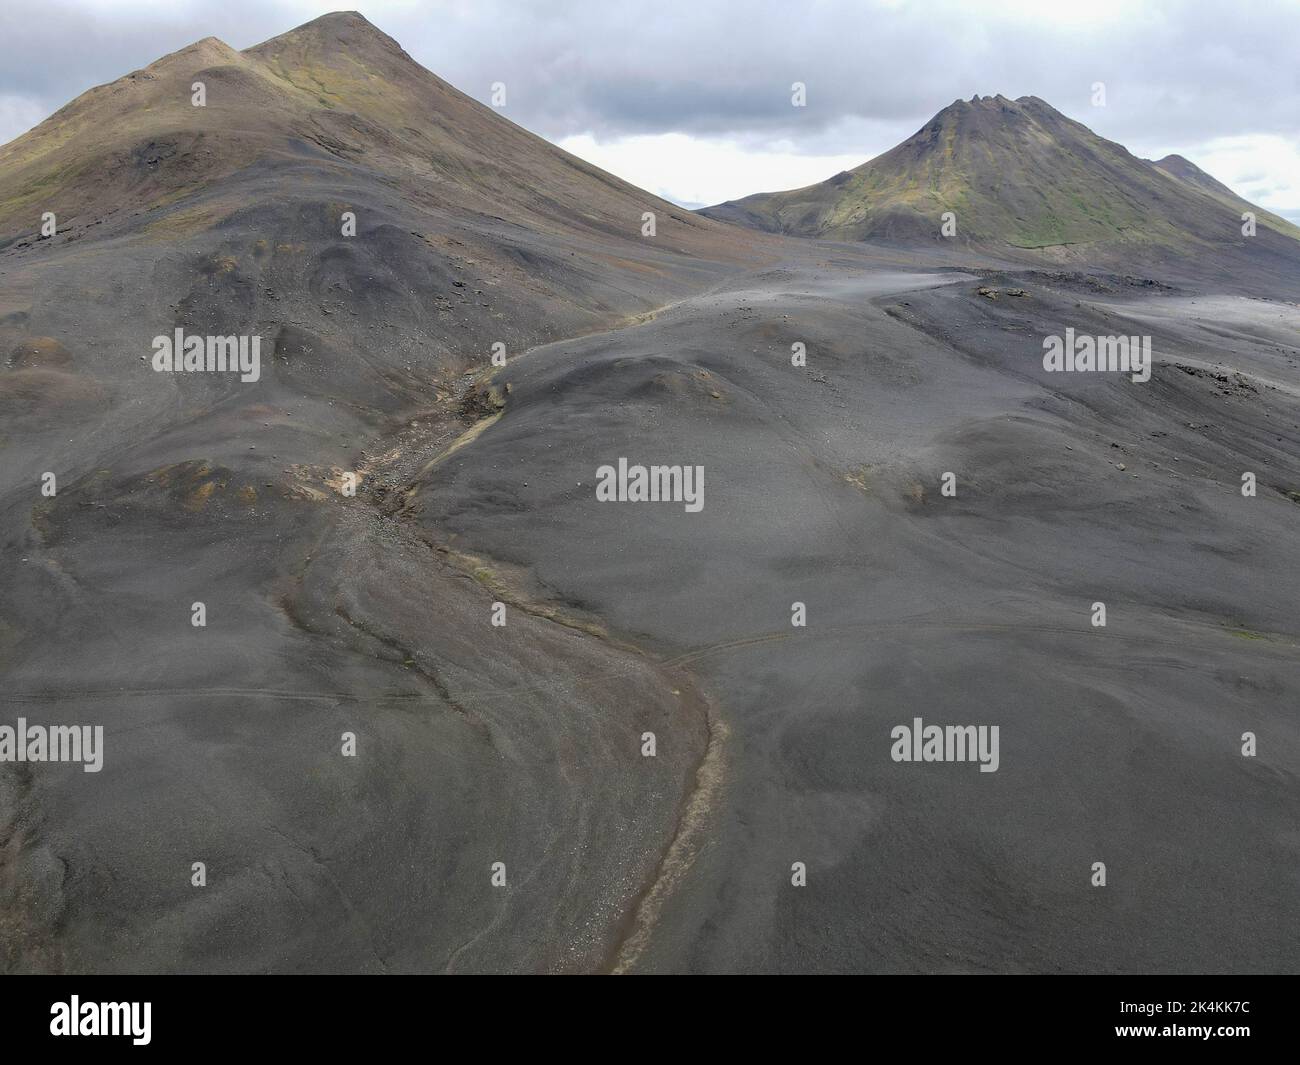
{"points": [[325, 613], [1120, 745], [522, 744]]}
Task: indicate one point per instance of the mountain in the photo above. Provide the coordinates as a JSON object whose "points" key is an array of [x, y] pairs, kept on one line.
{"points": [[329, 116], [334, 92], [1020, 177], [1188, 173], [230, 218], [1184, 170], [385, 683], [328, 614]]}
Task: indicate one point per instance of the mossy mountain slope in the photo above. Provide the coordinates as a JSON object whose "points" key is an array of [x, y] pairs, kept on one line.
{"points": [[1019, 176]]}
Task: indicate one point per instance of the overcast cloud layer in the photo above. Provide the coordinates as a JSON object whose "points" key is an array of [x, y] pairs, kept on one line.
{"points": [[692, 100]]}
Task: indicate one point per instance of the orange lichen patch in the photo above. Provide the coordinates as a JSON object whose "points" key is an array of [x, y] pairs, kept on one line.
{"points": [[248, 495], [198, 498], [859, 477], [304, 482], [298, 490], [44, 352], [36, 392], [291, 249], [178, 223], [225, 264], [386, 459], [467, 437], [340, 478], [189, 470], [915, 493]]}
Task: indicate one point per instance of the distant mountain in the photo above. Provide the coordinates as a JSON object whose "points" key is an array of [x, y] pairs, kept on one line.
{"points": [[1017, 174], [1190, 174]]}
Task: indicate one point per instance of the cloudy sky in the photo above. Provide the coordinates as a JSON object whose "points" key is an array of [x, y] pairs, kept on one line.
{"points": [[692, 99]]}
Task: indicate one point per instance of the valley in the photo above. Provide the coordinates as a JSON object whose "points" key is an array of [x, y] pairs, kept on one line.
{"points": [[486, 682]]}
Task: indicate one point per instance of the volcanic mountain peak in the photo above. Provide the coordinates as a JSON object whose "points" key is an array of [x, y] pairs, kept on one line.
{"points": [[1024, 109], [335, 94], [340, 23], [334, 38], [997, 102], [1017, 175], [325, 168], [205, 49]]}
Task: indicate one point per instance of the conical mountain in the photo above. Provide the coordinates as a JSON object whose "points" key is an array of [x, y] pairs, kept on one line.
{"points": [[1019, 176], [334, 91], [327, 192]]}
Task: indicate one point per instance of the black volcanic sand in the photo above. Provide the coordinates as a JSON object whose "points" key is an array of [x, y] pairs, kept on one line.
{"points": [[1119, 744], [329, 614], [325, 614], [371, 614]]}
